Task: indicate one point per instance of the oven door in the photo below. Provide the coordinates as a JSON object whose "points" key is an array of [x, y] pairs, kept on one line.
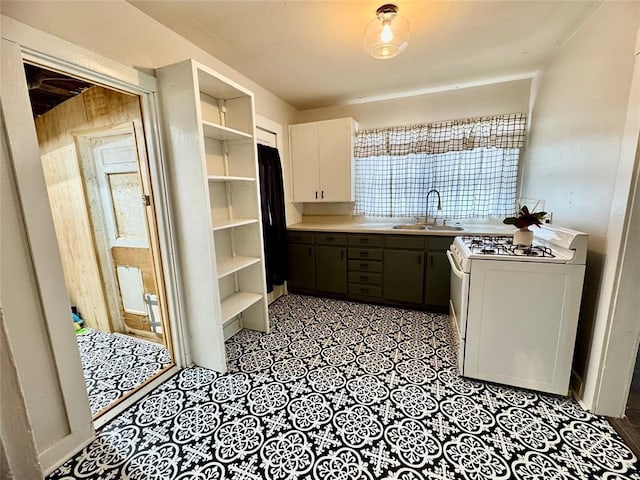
{"points": [[458, 306]]}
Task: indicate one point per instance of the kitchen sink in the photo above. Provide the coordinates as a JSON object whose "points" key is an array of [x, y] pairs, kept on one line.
{"points": [[445, 228], [411, 226], [417, 226]]}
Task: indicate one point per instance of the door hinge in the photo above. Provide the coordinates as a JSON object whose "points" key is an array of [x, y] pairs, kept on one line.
{"points": [[146, 200]]}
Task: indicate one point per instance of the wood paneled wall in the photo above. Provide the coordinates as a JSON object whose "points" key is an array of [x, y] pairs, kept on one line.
{"points": [[96, 108]]}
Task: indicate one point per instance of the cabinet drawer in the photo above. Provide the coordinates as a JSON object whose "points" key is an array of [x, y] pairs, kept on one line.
{"points": [[330, 239], [364, 290], [439, 243], [300, 237], [365, 266], [399, 242], [365, 278], [368, 240], [370, 253]]}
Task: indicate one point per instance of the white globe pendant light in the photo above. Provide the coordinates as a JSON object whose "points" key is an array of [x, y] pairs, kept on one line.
{"points": [[388, 34]]}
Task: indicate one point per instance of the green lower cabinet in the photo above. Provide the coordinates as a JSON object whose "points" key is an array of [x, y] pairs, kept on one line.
{"points": [[403, 275], [301, 267], [394, 269], [331, 269], [438, 283]]}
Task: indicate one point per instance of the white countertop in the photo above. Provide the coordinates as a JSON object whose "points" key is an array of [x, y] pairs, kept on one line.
{"points": [[331, 224]]}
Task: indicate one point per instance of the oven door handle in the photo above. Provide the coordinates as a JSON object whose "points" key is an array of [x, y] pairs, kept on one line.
{"points": [[454, 268]]}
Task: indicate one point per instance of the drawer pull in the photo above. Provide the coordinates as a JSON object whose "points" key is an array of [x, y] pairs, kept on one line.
{"points": [[364, 254], [330, 239], [364, 266], [364, 290], [364, 240], [364, 278]]}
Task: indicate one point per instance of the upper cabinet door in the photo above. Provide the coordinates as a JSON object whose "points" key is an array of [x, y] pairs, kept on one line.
{"points": [[336, 160], [322, 160], [305, 162]]}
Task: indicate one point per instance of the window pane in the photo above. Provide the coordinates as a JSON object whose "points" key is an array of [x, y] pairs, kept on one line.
{"points": [[474, 183]]}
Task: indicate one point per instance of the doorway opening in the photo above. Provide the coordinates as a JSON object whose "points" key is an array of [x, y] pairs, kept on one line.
{"points": [[269, 133], [96, 170], [629, 425]]}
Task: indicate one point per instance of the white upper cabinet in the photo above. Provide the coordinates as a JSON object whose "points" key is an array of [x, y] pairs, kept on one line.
{"points": [[211, 152], [322, 160]]}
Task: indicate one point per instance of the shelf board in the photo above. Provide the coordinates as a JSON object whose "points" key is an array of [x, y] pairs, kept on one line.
{"points": [[237, 303], [210, 83], [218, 132], [236, 222], [229, 178], [233, 264]]}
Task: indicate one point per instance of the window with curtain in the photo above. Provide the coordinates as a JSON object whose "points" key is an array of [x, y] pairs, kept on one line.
{"points": [[473, 164]]}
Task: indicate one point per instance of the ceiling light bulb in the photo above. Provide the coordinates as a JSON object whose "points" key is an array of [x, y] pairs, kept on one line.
{"points": [[386, 35]]}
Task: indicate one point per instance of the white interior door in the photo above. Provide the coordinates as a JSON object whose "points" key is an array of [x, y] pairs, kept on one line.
{"points": [[121, 192]]}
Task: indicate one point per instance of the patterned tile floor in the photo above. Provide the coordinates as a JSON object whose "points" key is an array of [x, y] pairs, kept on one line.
{"points": [[342, 391], [114, 365]]}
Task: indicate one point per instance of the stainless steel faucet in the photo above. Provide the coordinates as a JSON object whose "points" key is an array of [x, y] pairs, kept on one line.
{"points": [[426, 213]]}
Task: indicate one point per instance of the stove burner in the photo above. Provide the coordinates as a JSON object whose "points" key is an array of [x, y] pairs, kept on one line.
{"points": [[503, 245]]}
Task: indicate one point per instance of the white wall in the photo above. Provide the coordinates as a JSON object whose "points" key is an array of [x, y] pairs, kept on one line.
{"points": [[492, 99], [121, 32], [579, 104]]}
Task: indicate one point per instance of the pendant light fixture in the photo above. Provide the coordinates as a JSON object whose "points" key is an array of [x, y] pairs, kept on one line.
{"points": [[388, 34]]}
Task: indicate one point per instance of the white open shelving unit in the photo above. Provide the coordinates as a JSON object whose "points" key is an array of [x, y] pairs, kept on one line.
{"points": [[210, 137]]}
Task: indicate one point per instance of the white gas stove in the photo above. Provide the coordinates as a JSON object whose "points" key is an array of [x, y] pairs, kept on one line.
{"points": [[514, 308], [551, 244]]}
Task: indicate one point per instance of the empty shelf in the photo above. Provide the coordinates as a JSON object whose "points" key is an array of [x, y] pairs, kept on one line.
{"points": [[229, 178], [236, 222], [237, 303], [233, 264], [218, 132]]}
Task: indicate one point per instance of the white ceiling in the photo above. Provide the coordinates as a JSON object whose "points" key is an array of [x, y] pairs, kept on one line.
{"points": [[310, 53]]}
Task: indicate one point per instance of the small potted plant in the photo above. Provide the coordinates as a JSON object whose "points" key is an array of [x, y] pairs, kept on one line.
{"points": [[522, 221]]}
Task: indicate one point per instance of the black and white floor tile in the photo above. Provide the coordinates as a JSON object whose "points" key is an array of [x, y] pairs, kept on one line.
{"points": [[114, 365], [346, 391]]}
